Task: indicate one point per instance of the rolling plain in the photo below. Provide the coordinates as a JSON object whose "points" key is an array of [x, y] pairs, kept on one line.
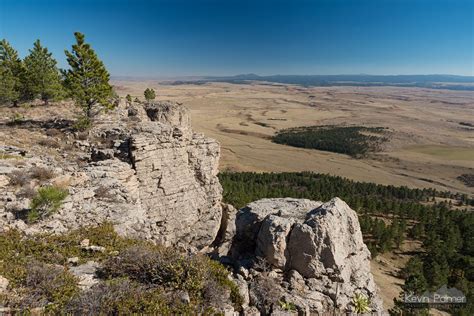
{"points": [[430, 132], [430, 137]]}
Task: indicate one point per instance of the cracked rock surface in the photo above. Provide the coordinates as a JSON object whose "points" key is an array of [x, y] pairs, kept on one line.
{"points": [[309, 253], [142, 168]]}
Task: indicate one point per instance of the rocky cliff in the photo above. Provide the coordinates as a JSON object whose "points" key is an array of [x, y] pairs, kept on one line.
{"points": [[141, 168]]}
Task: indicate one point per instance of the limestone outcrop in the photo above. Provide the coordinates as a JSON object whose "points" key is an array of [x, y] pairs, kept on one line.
{"points": [[303, 252], [143, 169]]}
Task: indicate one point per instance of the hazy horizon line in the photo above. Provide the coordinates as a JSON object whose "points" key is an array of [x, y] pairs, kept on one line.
{"points": [[169, 77]]}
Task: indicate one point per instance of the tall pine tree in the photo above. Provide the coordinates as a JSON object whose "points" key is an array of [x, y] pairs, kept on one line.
{"points": [[11, 72], [43, 79], [87, 80]]}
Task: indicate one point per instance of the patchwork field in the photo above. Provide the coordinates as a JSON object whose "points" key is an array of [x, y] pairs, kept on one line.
{"points": [[430, 144]]}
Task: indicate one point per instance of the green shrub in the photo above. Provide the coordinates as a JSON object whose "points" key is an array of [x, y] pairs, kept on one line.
{"points": [[16, 249], [361, 304], [48, 200], [19, 177], [82, 123], [287, 306], [220, 275], [149, 94], [158, 266]]}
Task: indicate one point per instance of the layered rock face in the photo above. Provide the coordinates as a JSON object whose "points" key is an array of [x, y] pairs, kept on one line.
{"points": [[178, 184], [145, 171], [313, 254]]}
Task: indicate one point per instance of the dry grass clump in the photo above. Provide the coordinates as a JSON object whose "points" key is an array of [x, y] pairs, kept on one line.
{"points": [[82, 135], [263, 289], [265, 292], [49, 142], [40, 173], [26, 192], [19, 177], [45, 286], [53, 132], [22, 177], [4, 155]]}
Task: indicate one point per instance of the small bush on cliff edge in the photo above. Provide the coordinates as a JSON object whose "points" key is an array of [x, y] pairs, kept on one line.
{"points": [[149, 94], [361, 303], [47, 201]]}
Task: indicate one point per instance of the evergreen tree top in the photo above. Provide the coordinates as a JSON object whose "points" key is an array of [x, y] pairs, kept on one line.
{"points": [[42, 77], [8, 53], [87, 78], [37, 46], [39, 51]]}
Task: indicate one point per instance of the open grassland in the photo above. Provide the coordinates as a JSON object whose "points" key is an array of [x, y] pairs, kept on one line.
{"points": [[445, 152], [428, 147]]}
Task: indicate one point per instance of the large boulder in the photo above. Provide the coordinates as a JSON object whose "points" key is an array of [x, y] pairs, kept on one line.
{"points": [[250, 219], [317, 248]]}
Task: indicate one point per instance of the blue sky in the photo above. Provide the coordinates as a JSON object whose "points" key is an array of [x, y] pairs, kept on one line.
{"points": [[176, 38]]}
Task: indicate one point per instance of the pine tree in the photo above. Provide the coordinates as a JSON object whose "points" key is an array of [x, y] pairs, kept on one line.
{"points": [[43, 79], [87, 80], [149, 94], [11, 73]]}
